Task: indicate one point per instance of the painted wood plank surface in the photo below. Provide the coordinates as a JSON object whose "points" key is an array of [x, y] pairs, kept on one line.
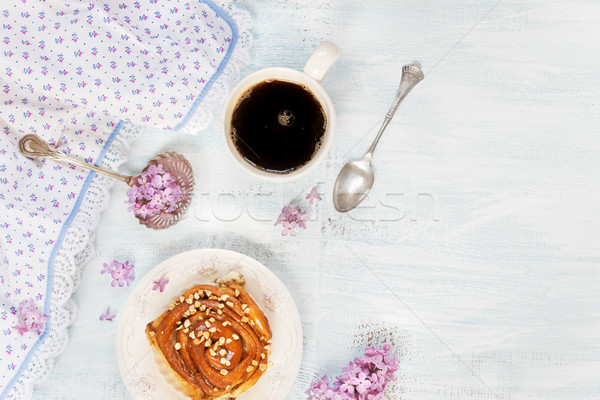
{"points": [[477, 253]]}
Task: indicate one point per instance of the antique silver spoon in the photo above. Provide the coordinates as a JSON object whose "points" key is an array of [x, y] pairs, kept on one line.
{"points": [[34, 146], [356, 178]]}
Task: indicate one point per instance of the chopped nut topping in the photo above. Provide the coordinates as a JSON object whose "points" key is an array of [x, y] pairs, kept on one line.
{"points": [[224, 372], [254, 362], [247, 310], [207, 324], [267, 347], [197, 342], [179, 327], [212, 330], [228, 363], [224, 297], [197, 304], [223, 360], [177, 346], [223, 352], [263, 367], [186, 330], [228, 340], [181, 299], [245, 319], [196, 296], [187, 323], [208, 293], [212, 352], [208, 343], [235, 337], [206, 335], [262, 355], [250, 368], [211, 319], [225, 323], [229, 304], [219, 312], [221, 341], [193, 335], [237, 293], [178, 322], [190, 299], [244, 306]]}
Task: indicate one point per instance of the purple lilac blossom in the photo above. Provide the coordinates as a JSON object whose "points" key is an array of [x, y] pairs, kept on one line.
{"points": [[313, 195], [121, 273], [156, 191], [292, 217], [30, 318], [160, 284], [365, 378]]}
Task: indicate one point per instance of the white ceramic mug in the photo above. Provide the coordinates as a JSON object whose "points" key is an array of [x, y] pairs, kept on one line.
{"points": [[314, 71]]}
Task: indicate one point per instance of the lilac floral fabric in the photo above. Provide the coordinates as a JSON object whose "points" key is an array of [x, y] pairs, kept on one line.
{"points": [[70, 71]]}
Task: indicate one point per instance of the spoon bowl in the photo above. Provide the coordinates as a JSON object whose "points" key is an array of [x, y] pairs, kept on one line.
{"points": [[352, 185]]}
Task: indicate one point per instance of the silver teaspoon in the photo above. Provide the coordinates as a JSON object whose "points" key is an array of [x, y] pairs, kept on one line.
{"points": [[34, 146], [356, 178]]}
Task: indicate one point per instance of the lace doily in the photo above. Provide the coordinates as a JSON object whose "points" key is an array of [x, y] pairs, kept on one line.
{"points": [[78, 245]]}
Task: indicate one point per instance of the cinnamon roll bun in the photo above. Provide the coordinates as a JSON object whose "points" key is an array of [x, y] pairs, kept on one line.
{"points": [[214, 339]]}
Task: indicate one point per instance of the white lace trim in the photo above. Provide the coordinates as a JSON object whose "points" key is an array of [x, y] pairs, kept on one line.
{"points": [[78, 245]]}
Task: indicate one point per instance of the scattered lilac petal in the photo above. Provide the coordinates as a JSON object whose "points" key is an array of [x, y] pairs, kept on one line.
{"points": [[313, 195], [107, 316], [160, 284]]}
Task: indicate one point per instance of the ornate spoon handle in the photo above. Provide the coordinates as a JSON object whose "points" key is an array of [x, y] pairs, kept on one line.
{"points": [[411, 75], [34, 146]]}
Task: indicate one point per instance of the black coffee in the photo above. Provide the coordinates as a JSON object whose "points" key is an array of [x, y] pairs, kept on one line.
{"points": [[278, 126]]}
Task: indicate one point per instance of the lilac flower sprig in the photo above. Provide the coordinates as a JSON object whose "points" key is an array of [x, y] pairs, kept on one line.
{"points": [[30, 318], [292, 217], [156, 191], [121, 273], [363, 379]]}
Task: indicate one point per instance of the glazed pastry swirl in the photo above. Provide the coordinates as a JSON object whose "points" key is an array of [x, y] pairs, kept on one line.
{"points": [[215, 339]]}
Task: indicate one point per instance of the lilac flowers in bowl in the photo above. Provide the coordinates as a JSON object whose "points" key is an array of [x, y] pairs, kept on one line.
{"points": [[160, 195]]}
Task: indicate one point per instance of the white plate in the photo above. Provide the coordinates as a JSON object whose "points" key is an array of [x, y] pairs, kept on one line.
{"points": [[143, 371]]}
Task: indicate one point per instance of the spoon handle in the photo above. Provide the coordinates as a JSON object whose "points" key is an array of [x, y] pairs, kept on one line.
{"points": [[411, 75], [34, 146]]}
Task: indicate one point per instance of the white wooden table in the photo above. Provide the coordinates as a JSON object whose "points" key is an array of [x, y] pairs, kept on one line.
{"points": [[476, 255]]}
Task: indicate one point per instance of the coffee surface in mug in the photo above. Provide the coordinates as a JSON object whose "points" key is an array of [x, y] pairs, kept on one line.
{"points": [[278, 126]]}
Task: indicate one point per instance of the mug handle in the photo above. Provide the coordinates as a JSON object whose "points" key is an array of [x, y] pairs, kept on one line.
{"points": [[321, 60]]}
